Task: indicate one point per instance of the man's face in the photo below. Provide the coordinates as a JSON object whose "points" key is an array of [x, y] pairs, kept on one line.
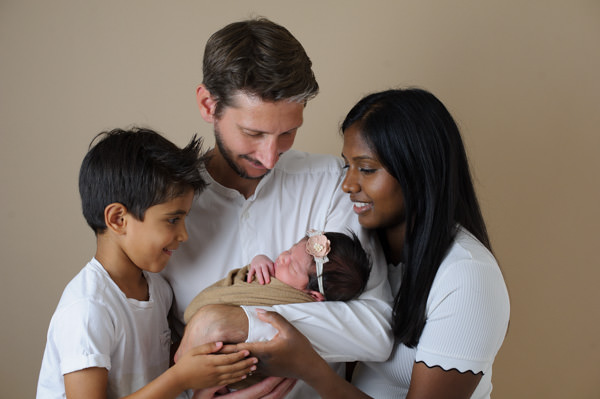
{"points": [[252, 134]]}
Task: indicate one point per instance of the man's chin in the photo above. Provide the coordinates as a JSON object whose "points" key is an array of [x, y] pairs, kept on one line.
{"points": [[256, 175]]}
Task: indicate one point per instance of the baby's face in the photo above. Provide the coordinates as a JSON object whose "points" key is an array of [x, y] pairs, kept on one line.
{"points": [[293, 266]]}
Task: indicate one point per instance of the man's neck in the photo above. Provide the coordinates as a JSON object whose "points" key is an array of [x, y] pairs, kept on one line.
{"points": [[222, 173]]}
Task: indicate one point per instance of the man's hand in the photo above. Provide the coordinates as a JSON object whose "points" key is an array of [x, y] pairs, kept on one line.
{"points": [[269, 388]]}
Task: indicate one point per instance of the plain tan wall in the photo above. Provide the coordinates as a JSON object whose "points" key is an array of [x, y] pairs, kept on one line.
{"points": [[521, 78]]}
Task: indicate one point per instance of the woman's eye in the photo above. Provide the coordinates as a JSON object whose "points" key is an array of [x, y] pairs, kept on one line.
{"points": [[367, 170]]}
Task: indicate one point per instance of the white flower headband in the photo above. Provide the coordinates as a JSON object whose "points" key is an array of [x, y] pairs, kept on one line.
{"points": [[318, 246]]}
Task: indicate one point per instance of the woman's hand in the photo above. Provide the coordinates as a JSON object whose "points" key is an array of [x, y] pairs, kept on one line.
{"points": [[288, 354]]}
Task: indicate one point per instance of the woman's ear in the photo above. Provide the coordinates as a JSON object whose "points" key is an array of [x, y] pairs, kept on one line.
{"points": [[317, 296], [206, 103], [114, 217]]}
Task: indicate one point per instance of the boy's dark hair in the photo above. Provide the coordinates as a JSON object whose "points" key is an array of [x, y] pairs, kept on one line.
{"points": [[347, 272], [138, 168], [260, 58]]}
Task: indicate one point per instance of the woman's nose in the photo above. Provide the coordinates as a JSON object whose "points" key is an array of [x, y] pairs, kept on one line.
{"points": [[350, 184]]}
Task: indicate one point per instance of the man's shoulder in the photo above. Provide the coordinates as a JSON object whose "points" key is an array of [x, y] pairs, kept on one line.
{"points": [[299, 162]]}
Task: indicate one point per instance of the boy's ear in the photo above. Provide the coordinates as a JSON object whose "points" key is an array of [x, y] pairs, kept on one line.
{"points": [[114, 217], [316, 295], [206, 103]]}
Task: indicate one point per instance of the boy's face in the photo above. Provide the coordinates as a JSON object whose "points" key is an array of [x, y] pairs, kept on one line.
{"points": [[149, 244], [293, 266]]}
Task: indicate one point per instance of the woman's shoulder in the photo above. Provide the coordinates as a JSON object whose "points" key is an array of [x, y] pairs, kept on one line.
{"points": [[467, 248], [470, 278], [468, 262]]}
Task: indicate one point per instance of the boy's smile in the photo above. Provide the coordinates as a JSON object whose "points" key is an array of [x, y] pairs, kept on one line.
{"points": [[150, 243]]}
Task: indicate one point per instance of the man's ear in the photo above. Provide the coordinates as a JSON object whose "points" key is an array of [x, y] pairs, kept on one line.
{"points": [[114, 217], [317, 296], [206, 103]]}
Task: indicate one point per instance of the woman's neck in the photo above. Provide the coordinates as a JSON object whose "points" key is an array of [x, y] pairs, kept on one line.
{"points": [[392, 242]]}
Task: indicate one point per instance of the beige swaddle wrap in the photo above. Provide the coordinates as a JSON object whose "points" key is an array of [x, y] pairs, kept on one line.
{"points": [[234, 290]]}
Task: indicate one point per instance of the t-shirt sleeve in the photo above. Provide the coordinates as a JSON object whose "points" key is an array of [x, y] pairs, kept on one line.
{"points": [[467, 318], [83, 333]]}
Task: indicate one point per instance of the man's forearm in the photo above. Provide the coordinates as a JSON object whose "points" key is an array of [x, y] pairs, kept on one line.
{"points": [[214, 323], [221, 323], [340, 331]]}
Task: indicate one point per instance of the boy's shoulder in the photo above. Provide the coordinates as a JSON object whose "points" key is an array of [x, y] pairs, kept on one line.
{"points": [[91, 284]]}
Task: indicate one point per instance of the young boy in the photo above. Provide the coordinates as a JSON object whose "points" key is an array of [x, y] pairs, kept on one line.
{"points": [[109, 336]]}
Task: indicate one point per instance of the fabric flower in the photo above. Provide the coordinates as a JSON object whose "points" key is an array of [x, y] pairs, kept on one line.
{"points": [[318, 245]]}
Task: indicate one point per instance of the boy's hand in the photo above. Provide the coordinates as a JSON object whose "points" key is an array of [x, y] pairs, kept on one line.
{"points": [[263, 268], [202, 367]]}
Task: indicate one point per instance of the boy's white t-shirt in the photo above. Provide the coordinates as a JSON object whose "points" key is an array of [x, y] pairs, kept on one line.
{"points": [[96, 325]]}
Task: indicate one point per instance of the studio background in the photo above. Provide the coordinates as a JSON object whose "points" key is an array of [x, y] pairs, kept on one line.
{"points": [[520, 77]]}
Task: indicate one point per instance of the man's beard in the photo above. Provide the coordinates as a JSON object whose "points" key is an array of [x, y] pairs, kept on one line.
{"points": [[228, 156]]}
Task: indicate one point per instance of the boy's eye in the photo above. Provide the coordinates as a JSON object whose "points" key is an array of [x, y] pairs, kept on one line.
{"points": [[173, 220]]}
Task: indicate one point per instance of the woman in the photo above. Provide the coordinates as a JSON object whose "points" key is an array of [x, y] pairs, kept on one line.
{"points": [[409, 179]]}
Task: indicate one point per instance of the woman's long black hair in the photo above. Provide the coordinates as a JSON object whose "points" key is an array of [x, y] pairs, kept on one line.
{"points": [[417, 141]]}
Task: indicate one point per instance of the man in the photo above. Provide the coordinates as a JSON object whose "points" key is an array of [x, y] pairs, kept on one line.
{"points": [[262, 197]]}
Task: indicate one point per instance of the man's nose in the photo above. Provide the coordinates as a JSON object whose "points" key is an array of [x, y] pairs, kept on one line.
{"points": [[268, 154]]}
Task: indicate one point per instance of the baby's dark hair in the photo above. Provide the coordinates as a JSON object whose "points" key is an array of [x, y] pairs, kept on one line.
{"points": [[138, 168], [346, 274]]}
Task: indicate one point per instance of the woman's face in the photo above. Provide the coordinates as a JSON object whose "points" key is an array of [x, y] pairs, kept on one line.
{"points": [[377, 196]]}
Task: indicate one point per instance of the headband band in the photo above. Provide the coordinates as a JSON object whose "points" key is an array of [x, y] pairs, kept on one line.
{"points": [[318, 246]]}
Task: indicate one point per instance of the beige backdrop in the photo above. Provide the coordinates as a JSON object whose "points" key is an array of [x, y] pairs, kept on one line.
{"points": [[521, 78]]}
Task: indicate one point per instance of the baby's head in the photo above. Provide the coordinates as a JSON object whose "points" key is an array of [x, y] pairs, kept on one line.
{"points": [[344, 275], [138, 168]]}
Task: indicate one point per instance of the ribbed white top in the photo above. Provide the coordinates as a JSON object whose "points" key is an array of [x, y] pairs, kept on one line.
{"points": [[467, 317]]}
